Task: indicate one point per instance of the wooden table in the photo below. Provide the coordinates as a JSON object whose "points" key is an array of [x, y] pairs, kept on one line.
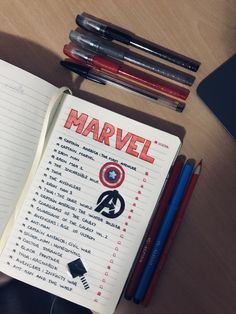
{"points": [[199, 276]]}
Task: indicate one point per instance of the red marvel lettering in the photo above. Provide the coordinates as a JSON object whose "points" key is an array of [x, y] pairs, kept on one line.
{"points": [[120, 143], [74, 119], [107, 131], [131, 149], [144, 152], [132, 142], [93, 127]]}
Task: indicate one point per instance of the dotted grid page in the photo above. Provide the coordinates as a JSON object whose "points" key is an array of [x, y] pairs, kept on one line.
{"points": [[23, 102], [92, 197]]}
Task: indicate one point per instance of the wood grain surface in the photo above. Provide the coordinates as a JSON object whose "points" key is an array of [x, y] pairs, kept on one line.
{"points": [[199, 276]]}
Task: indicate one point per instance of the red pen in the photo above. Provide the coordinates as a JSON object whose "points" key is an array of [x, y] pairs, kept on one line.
{"points": [[174, 229], [161, 209], [104, 64]]}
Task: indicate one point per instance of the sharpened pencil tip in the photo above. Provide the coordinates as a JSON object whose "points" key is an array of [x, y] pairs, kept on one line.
{"points": [[198, 167], [200, 163]]}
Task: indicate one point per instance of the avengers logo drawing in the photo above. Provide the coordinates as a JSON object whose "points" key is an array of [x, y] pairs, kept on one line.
{"points": [[110, 204], [112, 175]]}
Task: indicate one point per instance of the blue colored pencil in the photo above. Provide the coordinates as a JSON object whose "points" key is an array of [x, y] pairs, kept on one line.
{"points": [[163, 232]]}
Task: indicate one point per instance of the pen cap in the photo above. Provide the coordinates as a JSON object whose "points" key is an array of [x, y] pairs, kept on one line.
{"points": [[82, 40], [102, 29], [78, 53], [90, 25], [103, 47]]}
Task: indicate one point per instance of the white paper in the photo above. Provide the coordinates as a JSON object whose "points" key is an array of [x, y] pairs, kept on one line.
{"points": [[23, 102], [61, 221]]}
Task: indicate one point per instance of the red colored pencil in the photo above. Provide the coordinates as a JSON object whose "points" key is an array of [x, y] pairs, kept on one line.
{"points": [[174, 229], [161, 209]]}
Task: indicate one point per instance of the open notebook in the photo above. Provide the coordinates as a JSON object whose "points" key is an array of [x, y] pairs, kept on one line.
{"points": [[79, 184]]}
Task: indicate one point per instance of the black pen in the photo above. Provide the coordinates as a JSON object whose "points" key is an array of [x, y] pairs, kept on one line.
{"points": [[103, 78], [104, 47], [115, 34]]}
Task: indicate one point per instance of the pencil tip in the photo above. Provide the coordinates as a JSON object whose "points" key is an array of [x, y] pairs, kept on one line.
{"points": [[198, 167]]}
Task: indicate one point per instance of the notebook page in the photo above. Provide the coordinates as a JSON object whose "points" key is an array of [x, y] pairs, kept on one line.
{"points": [[91, 200], [23, 103]]}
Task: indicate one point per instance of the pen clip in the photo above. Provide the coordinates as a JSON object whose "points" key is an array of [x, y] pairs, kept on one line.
{"points": [[83, 71]]}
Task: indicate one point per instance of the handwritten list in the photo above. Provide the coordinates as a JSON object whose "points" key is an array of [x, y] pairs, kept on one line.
{"points": [[89, 206]]}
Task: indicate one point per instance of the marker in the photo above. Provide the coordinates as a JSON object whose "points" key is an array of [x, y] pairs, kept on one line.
{"points": [[102, 78], [173, 232], [113, 33], [109, 49], [104, 64], [163, 232], [155, 225]]}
